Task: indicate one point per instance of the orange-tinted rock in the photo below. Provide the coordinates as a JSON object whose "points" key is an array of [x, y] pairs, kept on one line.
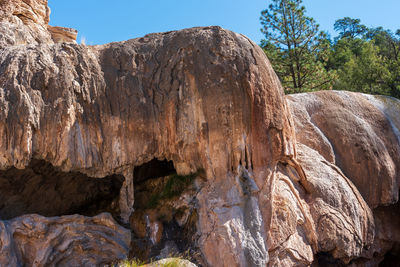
{"points": [[315, 208], [360, 132], [63, 35], [24, 22], [204, 98], [343, 221], [201, 98]]}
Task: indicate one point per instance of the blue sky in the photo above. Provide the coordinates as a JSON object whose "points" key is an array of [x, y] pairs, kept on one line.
{"points": [[103, 21]]}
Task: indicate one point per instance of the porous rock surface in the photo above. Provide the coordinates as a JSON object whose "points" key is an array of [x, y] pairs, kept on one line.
{"points": [[205, 99], [33, 240], [25, 22]]}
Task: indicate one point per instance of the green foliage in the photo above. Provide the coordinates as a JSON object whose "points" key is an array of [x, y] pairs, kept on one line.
{"points": [[131, 263], [176, 184], [296, 48], [366, 60], [360, 59], [389, 49], [173, 187], [364, 72], [349, 28], [173, 262], [154, 200]]}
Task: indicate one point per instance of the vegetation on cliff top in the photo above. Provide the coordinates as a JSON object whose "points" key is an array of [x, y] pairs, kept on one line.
{"points": [[359, 59]]}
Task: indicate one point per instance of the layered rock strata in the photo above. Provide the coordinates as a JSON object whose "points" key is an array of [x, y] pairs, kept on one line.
{"points": [[25, 22], [33, 240]]}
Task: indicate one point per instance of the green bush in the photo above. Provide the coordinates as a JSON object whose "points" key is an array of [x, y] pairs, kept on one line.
{"points": [[174, 187]]}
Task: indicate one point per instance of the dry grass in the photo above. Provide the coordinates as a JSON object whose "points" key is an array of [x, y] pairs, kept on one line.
{"points": [[170, 262]]}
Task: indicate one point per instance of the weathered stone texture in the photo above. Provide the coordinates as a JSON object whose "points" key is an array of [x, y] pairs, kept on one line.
{"points": [[33, 240], [24, 22], [203, 99], [358, 133]]}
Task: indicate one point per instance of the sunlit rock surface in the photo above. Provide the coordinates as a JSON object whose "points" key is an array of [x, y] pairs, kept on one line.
{"points": [[268, 180], [357, 132], [360, 134]]}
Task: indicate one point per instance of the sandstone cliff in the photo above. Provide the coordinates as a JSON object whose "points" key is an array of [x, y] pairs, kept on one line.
{"points": [[25, 22], [187, 139]]}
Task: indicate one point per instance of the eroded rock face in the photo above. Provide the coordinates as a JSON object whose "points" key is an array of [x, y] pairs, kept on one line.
{"points": [[316, 209], [24, 22], [200, 100], [359, 133], [203, 98], [33, 240], [343, 221], [121, 105], [62, 34]]}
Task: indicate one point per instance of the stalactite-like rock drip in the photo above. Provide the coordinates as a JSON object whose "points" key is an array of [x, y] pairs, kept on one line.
{"points": [[203, 98]]}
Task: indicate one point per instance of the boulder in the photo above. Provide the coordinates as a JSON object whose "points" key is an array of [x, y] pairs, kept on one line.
{"points": [[195, 122], [34, 240], [343, 221], [357, 132], [358, 136]]}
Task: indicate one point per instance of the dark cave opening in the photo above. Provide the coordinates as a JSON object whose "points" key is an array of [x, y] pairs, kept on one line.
{"points": [[153, 169], [327, 260], [391, 258], [42, 189], [162, 223], [149, 180]]}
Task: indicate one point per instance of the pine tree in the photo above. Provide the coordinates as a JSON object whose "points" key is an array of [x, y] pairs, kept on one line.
{"points": [[366, 60], [295, 46], [349, 28]]}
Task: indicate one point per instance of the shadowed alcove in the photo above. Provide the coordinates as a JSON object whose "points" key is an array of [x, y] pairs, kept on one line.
{"points": [[153, 169], [42, 189], [163, 223]]}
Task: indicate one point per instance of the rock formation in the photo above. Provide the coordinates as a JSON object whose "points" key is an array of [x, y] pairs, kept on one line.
{"points": [[62, 34], [359, 135], [33, 240], [187, 139], [26, 22]]}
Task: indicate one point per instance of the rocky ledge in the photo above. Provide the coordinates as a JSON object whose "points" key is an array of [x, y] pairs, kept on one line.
{"points": [[184, 143]]}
